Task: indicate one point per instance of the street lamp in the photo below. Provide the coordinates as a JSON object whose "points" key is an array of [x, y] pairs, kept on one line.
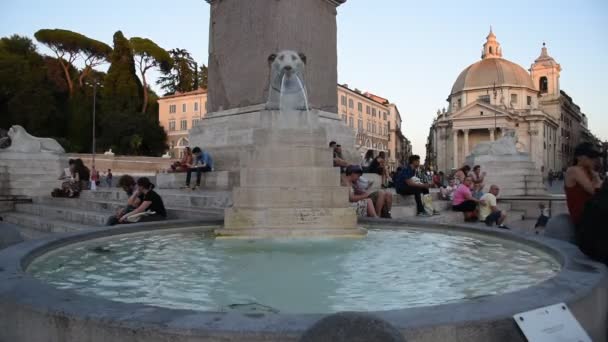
{"points": [[94, 83]]}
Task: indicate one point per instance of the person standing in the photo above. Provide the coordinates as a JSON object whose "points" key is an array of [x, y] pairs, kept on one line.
{"points": [[581, 180], [488, 211], [109, 178], [406, 185]]}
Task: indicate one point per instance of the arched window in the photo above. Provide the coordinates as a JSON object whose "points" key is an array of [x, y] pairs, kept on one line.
{"points": [[543, 85], [183, 142], [491, 50]]}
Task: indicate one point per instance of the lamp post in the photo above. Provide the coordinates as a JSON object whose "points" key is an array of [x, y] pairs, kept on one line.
{"points": [[95, 83]]}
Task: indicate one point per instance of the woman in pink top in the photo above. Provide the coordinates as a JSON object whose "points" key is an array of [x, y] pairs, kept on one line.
{"points": [[464, 200]]}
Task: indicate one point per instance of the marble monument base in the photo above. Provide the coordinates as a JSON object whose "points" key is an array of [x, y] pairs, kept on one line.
{"points": [[516, 175], [288, 186], [233, 136]]}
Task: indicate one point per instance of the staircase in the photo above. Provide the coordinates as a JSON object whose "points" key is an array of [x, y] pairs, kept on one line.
{"points": [[47, 215]]}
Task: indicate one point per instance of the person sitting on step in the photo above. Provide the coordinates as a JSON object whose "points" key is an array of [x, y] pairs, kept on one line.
{"points": [[362, 203], [406, 183], [378, 166], [128, 185], [151, 208], [488, 212], [447, 192], [383, 200], [338, 158], [202, 162], [182, 165], [465, 202]]}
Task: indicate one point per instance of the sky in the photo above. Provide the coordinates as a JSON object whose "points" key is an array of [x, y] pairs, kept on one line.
{"points": [[410, 52]]}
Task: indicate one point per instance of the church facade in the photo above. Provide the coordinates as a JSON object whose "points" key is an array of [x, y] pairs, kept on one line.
{"points": [[494, 95]]}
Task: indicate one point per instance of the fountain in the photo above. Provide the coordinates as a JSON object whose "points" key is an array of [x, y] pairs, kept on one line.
{"points": [[289, 186], [177, 281]]}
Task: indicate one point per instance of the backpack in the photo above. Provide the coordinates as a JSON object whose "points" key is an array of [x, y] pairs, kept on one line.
{"points": [[592, 232]]}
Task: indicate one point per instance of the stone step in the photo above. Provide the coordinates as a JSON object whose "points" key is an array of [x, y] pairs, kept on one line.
{"points": [[291, 197], [41, 224], [290, 176], [290, 218], [39, 183], [110, 207], [202, 199], [209, 180], [287, 156], [78, 216]]}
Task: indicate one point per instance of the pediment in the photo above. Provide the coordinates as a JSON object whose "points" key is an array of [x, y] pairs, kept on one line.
{"points": [[473, 110]]}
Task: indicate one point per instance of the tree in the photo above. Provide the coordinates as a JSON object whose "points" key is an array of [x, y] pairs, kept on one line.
{"points": [[68, 46], [121, 92], [203, 79], [29, 99], [149, 55], [182, 77], [94, 53]]}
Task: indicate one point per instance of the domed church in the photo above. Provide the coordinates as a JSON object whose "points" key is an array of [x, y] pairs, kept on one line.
{"points": [[494, 95]]}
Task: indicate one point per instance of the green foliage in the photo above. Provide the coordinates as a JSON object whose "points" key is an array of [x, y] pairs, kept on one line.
{"points": [[68, 46], [149, 55], [133, 133], [122, 90], [35, 93], [62, 42], [182, 77], [203, 79], [27, 95]]}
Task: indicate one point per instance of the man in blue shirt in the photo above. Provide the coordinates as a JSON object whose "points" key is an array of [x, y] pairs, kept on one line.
{"points": [[201, 162], [406, 185]]}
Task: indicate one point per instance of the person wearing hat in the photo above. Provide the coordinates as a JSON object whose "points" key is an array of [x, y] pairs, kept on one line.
{"points": [[581, 181]]}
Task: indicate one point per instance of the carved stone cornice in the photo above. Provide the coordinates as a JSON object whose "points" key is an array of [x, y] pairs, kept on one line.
{"points": [[333, 2]]}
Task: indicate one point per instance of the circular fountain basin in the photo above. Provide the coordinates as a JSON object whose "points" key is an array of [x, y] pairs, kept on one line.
{"points": [[155, 282], [388, 270]]}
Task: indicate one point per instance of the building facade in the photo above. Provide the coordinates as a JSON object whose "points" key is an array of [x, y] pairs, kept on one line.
{"points": [[494, 95], [178, 114], [376, 122]]}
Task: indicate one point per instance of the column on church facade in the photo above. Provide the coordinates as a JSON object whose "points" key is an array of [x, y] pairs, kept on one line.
{"points": [[439, 154], [455, 132], [466, 143], [491, 134]]}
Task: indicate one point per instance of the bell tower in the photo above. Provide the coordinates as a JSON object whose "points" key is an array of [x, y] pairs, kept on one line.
{"points": [[491, 49], [545, 73]]}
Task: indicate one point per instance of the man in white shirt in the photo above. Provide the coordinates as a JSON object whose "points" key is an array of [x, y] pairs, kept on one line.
{"points": [[488, 212]]}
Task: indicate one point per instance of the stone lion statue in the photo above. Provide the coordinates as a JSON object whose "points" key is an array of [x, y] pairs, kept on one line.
{"points": [[506, 145], [287, 76], [22, 141]]}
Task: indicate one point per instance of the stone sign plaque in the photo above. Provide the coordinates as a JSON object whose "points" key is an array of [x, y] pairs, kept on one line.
{"points": [[553, 323]]}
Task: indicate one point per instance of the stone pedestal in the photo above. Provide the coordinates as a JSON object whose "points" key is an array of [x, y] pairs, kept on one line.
{"points": [[288, 185], [30, 174], [243, 34], [233, 136], [516, 175]]}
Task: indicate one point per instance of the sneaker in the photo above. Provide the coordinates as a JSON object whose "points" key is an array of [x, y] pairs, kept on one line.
{"points": [[424, 214], [185, 187], [196, 187], [502, 226], [435, 212]]}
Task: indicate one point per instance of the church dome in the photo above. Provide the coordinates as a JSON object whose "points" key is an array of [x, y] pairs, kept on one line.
{"points": [[492, 70]]}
